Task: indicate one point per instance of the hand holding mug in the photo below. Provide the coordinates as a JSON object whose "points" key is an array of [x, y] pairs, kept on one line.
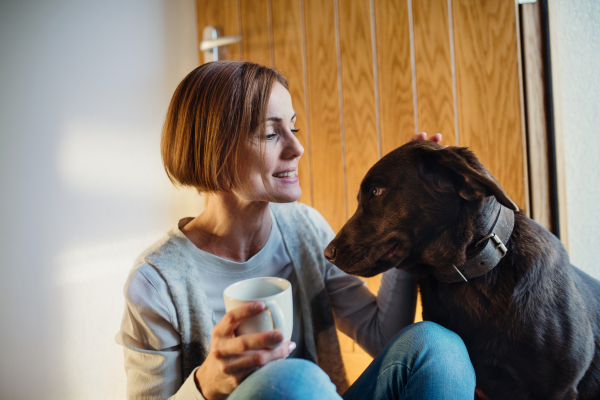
{"points": [[255, 330], [276, 293], [232, 358]]}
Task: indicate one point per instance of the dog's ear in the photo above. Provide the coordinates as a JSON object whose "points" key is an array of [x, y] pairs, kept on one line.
{"points": [[458, 169]]}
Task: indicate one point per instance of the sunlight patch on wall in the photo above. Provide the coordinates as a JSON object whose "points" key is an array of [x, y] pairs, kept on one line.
{"points": [[87, 263], [111, 161]]}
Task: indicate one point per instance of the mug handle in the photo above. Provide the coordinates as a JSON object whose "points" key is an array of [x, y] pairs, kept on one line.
{"points": [[276, 315]]}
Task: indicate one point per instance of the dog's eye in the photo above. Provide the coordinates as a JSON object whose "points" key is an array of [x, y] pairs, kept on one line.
{"points": [[376, 191]]}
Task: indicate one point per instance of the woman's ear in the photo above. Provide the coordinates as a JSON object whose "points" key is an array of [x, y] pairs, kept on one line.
{"points": [[459, 170]]}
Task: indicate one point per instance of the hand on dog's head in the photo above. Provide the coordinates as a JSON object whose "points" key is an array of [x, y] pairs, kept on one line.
{"points": [[416, 208]]}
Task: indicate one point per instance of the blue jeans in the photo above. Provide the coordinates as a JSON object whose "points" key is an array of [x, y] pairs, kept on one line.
{"points": [[423, 361]]}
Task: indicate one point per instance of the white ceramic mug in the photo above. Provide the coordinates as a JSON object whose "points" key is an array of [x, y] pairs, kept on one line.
{"points": [[276, 293]]}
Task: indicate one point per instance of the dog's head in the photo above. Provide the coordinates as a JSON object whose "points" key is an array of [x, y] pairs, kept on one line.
{"points": [[416, 210]]}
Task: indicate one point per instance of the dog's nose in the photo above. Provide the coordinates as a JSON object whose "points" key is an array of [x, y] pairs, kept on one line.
{"points": [[330, 253]]}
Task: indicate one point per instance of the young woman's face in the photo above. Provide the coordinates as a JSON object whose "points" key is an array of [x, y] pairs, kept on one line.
{"points": [[282, 151]]}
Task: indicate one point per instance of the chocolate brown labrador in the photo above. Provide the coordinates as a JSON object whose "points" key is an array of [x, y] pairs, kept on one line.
{"points": [[529, 319]]}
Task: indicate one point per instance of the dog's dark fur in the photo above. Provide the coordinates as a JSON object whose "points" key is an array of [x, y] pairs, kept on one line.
{"points": [[531, 325]]}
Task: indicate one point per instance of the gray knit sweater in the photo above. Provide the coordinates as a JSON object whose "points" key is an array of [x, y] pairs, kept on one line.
{"points": [[196, 318]]}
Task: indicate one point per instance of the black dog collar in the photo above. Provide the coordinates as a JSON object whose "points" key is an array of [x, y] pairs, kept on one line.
{"points": [[489, 256]]}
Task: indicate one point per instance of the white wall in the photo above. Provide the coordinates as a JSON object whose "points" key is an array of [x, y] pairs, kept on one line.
{"points": [[577, 26], [84, 87]]}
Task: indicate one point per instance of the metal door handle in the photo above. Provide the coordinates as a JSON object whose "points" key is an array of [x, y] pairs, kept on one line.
{"points": [[210, 43]]}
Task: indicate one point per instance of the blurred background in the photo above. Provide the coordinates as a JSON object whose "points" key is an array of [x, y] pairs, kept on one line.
{"points": [[84, 87]]}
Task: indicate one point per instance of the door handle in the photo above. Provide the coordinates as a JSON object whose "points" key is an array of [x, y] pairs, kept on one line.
{"points": [[211, 42]]}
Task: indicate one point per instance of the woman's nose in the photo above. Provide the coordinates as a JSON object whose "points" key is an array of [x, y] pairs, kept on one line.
{"points": [[294, 147]]}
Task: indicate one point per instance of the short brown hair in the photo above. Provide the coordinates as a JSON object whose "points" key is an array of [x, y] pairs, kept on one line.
{"points": [[213, 114]]}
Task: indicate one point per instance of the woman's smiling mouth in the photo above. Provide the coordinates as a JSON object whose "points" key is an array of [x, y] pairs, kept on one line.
{"points": [[289, 176], [286, 175]]}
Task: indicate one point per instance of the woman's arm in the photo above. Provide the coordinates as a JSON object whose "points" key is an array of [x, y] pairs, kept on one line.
{"points": [[151, 344], [372, 321]]}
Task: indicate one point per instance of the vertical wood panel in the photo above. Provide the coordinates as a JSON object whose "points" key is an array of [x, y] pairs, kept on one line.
{"points": [[324, 110], [256, 38], [360, 124], [358, 91], [325, 126], [435, 96], [224, 16], [537, 131], [394, 73], [287, 53], [489, 102]]}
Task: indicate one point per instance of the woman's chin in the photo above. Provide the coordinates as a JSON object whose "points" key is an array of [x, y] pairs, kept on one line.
{"points": [[286, 196]]}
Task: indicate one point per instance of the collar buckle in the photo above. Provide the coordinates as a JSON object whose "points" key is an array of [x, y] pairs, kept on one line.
{"points": [[499, 245]]}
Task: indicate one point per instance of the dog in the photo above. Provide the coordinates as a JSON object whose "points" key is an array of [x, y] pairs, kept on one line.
{"points": [[529, 319]]}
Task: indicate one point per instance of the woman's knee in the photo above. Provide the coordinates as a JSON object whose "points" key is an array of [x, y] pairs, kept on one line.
{"points": [[289, 379], [292, 367], [428, 342], [433, 336]]}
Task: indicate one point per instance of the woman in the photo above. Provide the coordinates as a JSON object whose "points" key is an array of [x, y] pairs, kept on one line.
{"points": [[229, 132]]}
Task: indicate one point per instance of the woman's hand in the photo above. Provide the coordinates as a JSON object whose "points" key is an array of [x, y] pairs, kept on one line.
{"points": [[232, 358], [435, 138]]}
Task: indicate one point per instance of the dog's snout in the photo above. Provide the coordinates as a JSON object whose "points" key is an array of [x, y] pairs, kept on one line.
{"points": [[330, 253]]}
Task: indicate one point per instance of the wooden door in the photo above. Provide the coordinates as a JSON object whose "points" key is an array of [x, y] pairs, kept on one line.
{"points": [[365, 75]]}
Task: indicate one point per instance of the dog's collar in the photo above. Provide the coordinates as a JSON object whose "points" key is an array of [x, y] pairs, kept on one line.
{"points": [[490, 254]]}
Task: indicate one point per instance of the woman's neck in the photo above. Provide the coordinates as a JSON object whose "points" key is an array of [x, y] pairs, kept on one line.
{"points": [[230, 227]]}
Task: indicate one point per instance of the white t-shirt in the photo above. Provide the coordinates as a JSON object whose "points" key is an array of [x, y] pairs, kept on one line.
{"points": [[148, 330]]}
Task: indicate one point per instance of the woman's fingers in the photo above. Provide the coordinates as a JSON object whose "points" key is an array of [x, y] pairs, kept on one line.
{"points": [[231, 320], [436, 138], [257, 358], [418, 136], [423, 135], [256, 341]]}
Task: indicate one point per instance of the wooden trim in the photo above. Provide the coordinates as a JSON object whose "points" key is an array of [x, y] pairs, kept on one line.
{"points": [[561, 181], [537, 128], [527, 182]]}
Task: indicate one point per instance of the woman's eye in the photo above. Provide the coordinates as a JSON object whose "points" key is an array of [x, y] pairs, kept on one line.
{"points": [[295, 130], [271, 135], [376, 191]]}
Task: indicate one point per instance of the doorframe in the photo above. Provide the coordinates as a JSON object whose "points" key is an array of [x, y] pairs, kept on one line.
{"points": [[543, 115]]}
